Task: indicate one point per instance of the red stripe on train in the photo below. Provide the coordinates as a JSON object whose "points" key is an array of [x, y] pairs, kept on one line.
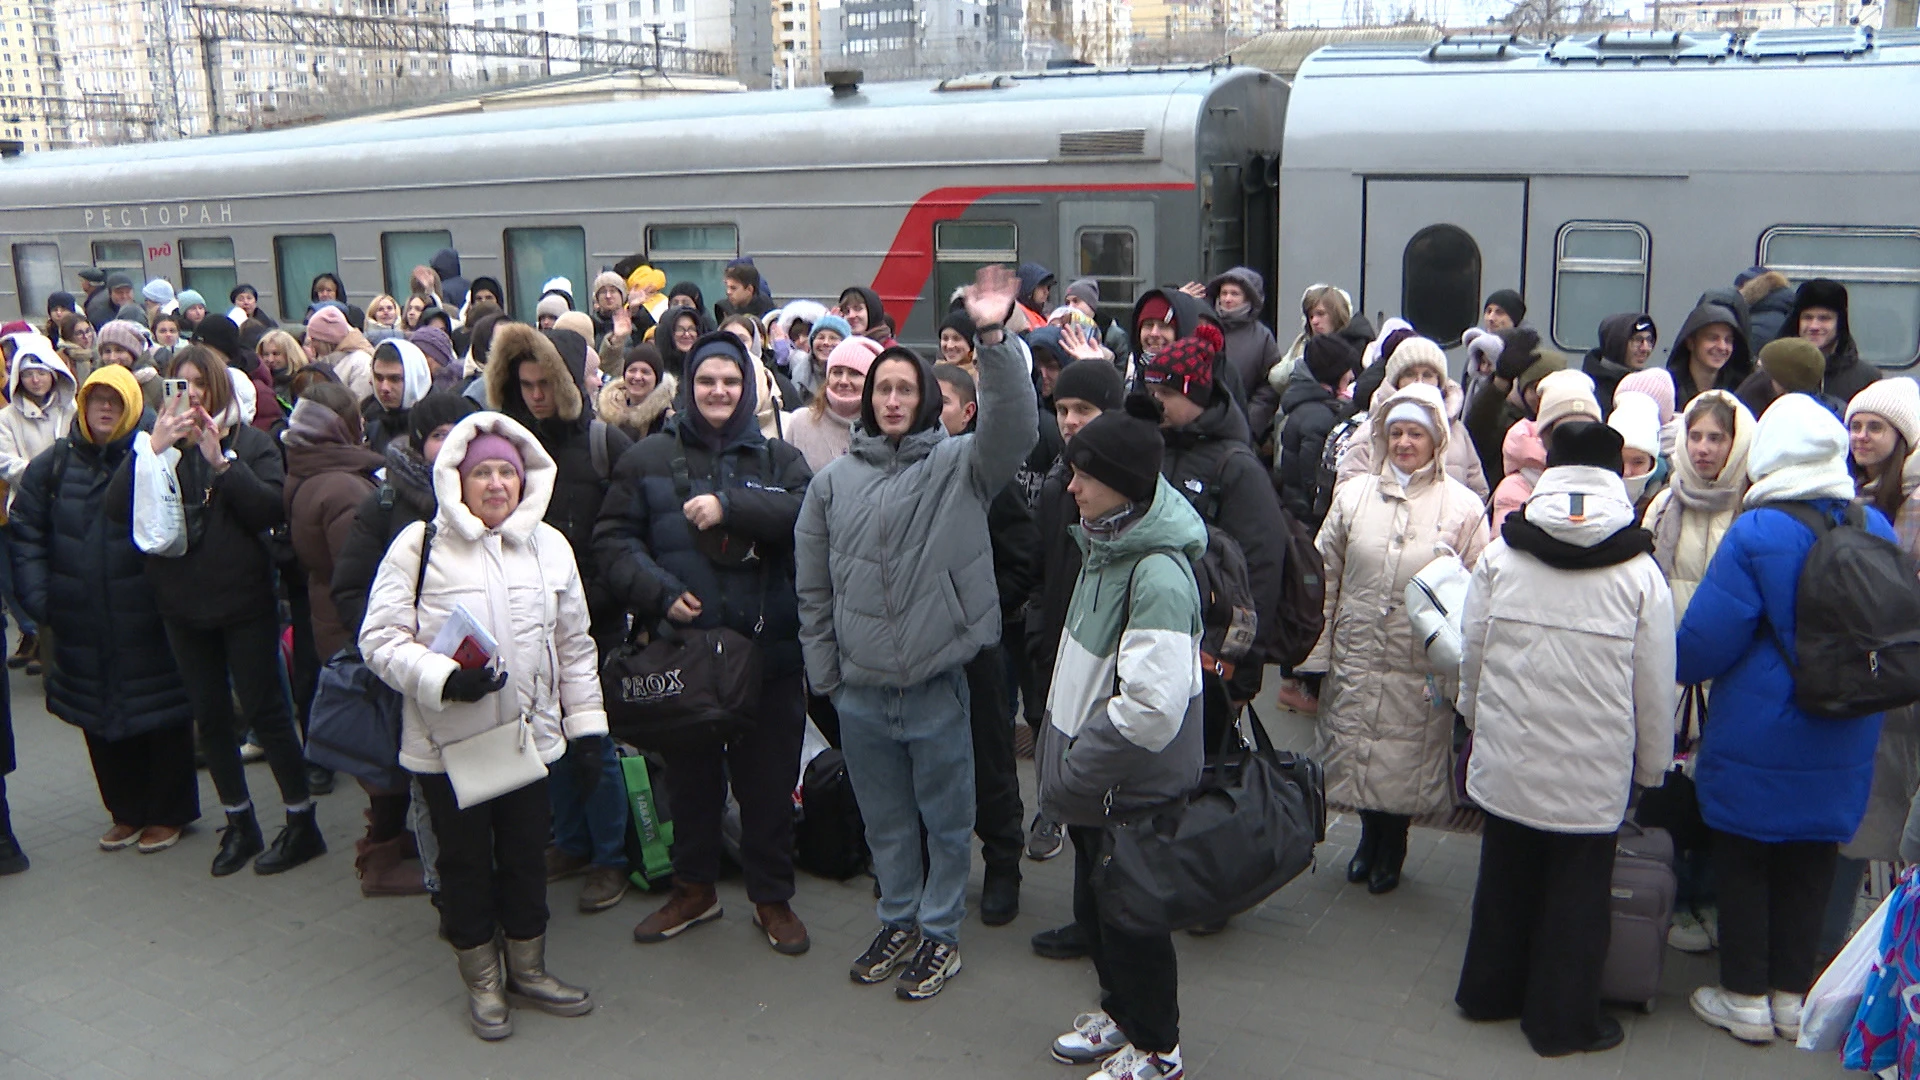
{"points": [[909, 263]]}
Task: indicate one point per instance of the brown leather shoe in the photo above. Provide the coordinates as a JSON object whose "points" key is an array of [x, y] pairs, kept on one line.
{"points": [[158, 838], [119, 837], [785, 932], [561, 864], [604, 887], [688, 907]]}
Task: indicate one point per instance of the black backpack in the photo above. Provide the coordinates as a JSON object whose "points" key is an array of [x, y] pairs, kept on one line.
{"points": [[1856, 648], [1326, 477], [830, 838], [1228, 620]]}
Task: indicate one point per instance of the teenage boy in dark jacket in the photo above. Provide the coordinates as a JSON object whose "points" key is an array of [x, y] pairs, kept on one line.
{"points": [[1312, 410]]}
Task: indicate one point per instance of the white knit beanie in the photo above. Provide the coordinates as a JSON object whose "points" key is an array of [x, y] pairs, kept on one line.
{"points": [[1895, 400], [1566, 393], [1636, 417], [1412, 353]]}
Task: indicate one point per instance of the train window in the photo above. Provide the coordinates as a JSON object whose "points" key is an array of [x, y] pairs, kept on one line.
{"points": [[1109, 256], [206, 267], [1440, 283], [300, 259], [400, 252], [1600, 269], [537, 256], [696, 253], [36, 276], [961, 248], [124, 255], [1879, 267]]}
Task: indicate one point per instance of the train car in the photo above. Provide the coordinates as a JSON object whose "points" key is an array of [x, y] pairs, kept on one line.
{"points": [[1127, 176], [1607, 173]]}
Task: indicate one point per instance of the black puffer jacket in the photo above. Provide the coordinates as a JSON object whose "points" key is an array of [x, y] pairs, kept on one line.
{"points": [[1251, 349], [111, 673], [1605, 363], [1312, 410], [1053, 514], [405, 497], [1210, 462], [226, 576], [652, 554], [578, 488]]}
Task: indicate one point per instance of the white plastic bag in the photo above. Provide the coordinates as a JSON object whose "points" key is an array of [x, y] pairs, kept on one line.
{"points": [[1835, 997], [159, 518], [1435, 599]]}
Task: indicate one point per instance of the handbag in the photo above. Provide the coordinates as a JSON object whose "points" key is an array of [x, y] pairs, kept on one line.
{"points": [[354, 723], [1435, 599], [492, 763], [159, 517], [688, 687], [1675, 804], [1247, 829]]}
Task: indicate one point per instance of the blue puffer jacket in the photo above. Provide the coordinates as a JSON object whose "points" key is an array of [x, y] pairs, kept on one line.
{"points": [[1766, 770]]}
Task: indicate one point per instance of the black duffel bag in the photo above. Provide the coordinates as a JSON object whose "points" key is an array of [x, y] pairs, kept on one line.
{"points": [[1248, 829], [685, 688]]}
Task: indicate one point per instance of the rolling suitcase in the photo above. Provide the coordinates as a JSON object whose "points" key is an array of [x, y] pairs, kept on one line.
{"points": [[1643, 891]]}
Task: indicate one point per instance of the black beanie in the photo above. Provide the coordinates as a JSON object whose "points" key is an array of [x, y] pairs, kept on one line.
{"points": [[436, 408], [220, 334], [960, 323], [1122, 448], [1508, 301], [1093, 381], [1329, 356], [1586, 442]]}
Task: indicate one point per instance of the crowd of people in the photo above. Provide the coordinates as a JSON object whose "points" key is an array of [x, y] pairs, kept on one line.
{"points": [[924, 548]]}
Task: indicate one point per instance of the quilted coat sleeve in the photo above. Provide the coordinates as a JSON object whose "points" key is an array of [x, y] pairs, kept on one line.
{"points": [[1009, 423], [813, 582], [31, 522], [1474, 625], [1332, 543], [1654, 688], [623, 544], [767, 511], [1725, 611], [355, 562], [581, 711], [387, 634]]}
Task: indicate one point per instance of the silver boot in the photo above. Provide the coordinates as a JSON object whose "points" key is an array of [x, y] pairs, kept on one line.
{"points": [[527, 978], [486, 991]]}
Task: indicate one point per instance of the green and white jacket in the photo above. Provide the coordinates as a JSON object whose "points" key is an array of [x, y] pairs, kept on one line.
{"points": [[1123, 714]]}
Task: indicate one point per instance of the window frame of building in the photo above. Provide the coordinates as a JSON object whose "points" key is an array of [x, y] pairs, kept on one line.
{"points": [[34, 277], [701, 257], [1864, 281], [961, 247], [208, 267], [1575, 319], [296, 254], [532, 261], [1436, 315], [397, 255]]}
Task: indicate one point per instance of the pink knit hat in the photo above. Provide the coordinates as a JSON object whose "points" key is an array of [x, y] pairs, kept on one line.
{"points": [[1656, 384], [328, 326], [490, 447], [855, 352]]}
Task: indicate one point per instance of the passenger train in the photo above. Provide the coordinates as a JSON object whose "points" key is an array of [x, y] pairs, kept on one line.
{"points": [[1595, 174]]}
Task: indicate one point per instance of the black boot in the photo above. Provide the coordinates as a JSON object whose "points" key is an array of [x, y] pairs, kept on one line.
{"points": [[1068, 942], [1000, 896], [299, 842], [1361, 864], [12, 859], [239, 842], [1389, 855]]}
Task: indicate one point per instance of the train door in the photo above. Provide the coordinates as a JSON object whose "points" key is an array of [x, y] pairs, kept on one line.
{"points": [[1241, 204], [1112, 242], [1433, 250]]}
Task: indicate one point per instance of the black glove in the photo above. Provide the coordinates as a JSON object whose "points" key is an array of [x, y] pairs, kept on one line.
{"points": [[587, 753], [472, 684], [1513, 363]]}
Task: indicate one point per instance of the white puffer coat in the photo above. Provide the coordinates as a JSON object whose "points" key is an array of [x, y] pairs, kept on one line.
{"points": [[26, 429], [1567, 674], [520, 579], [1386, 732]]}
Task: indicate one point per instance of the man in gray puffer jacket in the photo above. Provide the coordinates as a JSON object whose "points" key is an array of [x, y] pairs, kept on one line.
{"points": [[895, 578]]}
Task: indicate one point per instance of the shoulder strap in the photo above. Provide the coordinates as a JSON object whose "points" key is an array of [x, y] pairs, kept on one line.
{"points": [[682, 483], [597, 446], [426, 552], [62, 454], [387, 496], [1805, 515]]}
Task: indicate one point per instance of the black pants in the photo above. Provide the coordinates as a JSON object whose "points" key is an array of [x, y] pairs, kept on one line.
{"points": [[240, 660], [1540, 930], [493, 864], [997, 811], [1772, 897], [763, 767], [1139, 976], [147, 779], [305, 677]]}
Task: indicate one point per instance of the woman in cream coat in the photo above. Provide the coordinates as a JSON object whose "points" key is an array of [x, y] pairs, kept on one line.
{"points": [[492, 555], [1386, 730], [1709, 478]]}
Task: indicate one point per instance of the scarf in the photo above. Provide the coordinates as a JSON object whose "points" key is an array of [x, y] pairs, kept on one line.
{"points": [[408, 471], [1113, 522], [1523, 535], [1687, 499], [313, 424], [844, 408]]}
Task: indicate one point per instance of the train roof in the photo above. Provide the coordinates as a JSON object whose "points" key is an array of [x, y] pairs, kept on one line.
{"points": [[1061, 87], [1683, 102]]}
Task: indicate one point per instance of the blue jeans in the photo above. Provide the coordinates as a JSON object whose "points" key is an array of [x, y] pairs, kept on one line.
{"points": [[910, 757], [593, 823]]}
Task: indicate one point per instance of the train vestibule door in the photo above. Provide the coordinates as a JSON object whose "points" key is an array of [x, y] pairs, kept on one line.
{"points": [[1112, 242], [1434, 248]]}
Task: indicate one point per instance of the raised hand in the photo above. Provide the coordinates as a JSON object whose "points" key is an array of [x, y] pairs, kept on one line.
{"points": [[1079, 345], [990, 299]]}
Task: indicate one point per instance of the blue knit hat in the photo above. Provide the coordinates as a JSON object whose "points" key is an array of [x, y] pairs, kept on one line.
{"points": [[834, 323], [189, 298]]}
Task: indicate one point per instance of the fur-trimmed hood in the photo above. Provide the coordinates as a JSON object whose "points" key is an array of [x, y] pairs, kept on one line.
{"points": [[612, 406], [513, 344]]}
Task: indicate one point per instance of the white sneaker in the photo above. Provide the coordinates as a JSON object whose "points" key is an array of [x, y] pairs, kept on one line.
{"points": [[1688, 935], [1748, 1017], [1132, 1064], [1094, 1037], [1786, 1014]]}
